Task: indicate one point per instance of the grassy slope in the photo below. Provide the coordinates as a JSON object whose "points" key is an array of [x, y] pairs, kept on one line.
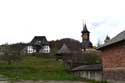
{"points": [[34, 68]]}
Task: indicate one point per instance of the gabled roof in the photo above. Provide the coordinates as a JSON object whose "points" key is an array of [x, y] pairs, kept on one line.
{"points": [[64, 49], [93, 67], [72, 44], [39, 40], [118, 38]]}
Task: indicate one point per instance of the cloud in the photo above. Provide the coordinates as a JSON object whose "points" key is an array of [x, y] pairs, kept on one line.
{"points": [[110, 26], [99, 22], [21, 20]]}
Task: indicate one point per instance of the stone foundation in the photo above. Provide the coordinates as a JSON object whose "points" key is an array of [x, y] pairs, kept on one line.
{"points": [[114, 75]]}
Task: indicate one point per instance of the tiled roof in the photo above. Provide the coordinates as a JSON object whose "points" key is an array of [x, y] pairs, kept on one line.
{"points": [[120, 37]]}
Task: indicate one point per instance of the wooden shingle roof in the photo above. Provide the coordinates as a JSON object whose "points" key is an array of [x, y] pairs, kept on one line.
{"points": [[93, 67], [120, 37], [85, 29], [64, 49]]}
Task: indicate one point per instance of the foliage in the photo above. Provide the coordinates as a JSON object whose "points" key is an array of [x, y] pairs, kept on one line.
{"points": [[99, 43], [92, 57], [10, 55], [18, 46], [82, 58], [36, 68], [73, 44]]}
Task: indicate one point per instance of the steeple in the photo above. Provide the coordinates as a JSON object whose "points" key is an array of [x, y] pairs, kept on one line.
{"points": [[86, 43], [85, 33], [107, 39], [85, 30]]}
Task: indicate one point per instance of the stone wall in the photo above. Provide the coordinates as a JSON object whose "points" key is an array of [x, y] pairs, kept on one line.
{"points": [[114, 75], [91, 75]]}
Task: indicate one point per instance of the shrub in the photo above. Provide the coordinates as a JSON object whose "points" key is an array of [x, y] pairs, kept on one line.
{"points": [[10, 55]]}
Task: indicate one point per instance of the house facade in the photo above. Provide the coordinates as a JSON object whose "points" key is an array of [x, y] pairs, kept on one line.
{"points": [[30, 49], [39, 44], [113, 59]]}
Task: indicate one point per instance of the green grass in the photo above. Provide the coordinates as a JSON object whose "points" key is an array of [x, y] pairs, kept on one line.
{"points": [[36, 68]]}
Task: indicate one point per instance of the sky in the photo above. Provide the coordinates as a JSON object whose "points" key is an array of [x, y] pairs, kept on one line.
{"points": [[21, 20]]}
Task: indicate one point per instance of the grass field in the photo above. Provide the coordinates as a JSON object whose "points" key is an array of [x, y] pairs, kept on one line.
{"points": [[36, 68]]}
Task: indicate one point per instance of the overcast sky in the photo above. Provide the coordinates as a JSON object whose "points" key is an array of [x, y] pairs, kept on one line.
{"points": [[21, 20]]}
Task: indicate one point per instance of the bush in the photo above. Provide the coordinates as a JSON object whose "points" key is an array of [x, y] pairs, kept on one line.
{"points": [[82, 58], [10, 55], [92, 57]]}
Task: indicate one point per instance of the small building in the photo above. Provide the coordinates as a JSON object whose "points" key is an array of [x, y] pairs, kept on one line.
{"points": [[39, 44], [64, 53], [91, 72], [64, 50], [73, 59], [113, 59]]}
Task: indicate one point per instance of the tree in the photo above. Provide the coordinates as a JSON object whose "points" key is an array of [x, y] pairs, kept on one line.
{"points": [[92, 57], [99, 43], [72, 44], [9, 54]]}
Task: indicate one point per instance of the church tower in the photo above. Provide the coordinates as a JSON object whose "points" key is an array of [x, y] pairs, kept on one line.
{"points": [[86, 43], [107, 39]]}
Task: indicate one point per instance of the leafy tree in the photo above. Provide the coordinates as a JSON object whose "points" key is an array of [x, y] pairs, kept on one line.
{"points": [[92, 57], [72, 44], [82, 58], [9, 54]]}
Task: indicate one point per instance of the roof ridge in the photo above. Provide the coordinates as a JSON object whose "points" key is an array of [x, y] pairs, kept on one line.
{"points": [[119, 37]]}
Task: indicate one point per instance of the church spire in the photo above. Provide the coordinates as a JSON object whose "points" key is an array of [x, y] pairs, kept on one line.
{"points": [[85, 29], [86, 43], [107, 39]]}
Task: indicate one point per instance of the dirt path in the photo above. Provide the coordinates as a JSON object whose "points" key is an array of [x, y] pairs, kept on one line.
{"points": [[44, 82], [51, 82], [3, 81]]}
